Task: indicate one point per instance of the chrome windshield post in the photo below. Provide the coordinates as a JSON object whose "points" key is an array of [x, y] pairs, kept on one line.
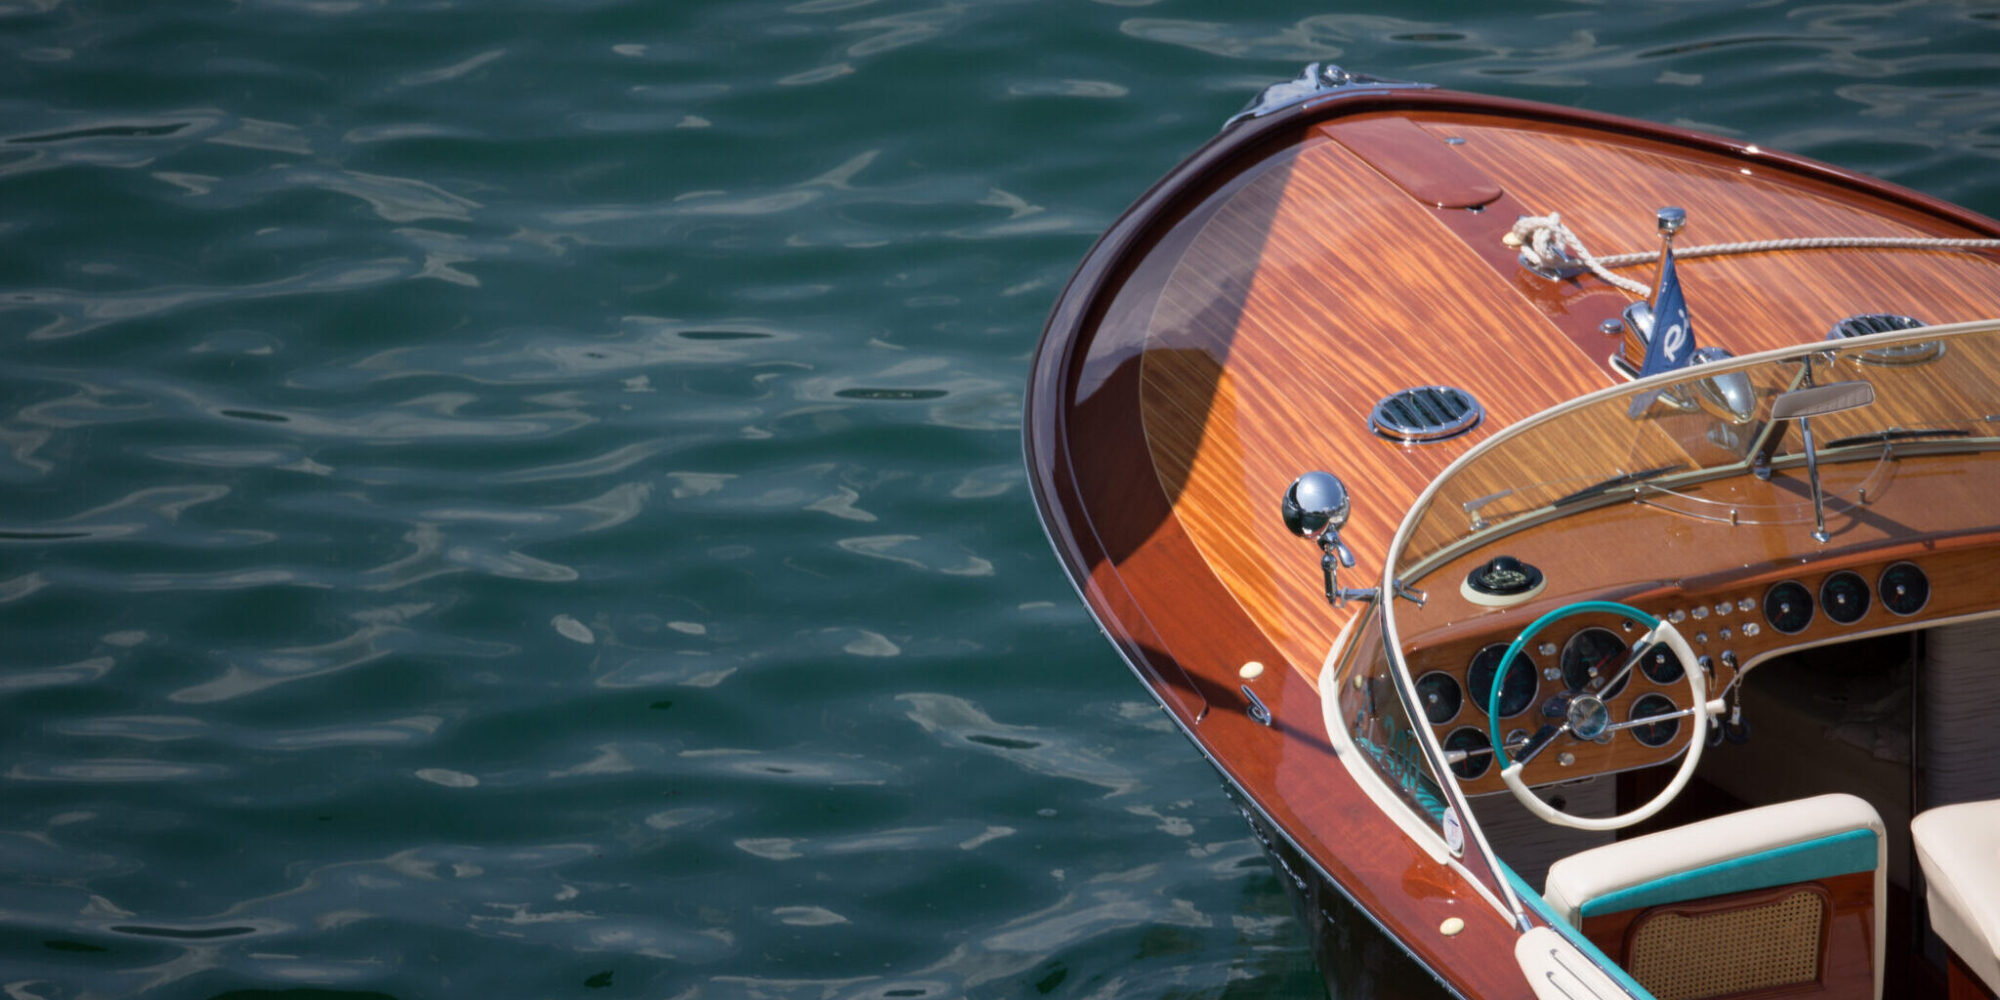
{"points": [[1812, 401]]}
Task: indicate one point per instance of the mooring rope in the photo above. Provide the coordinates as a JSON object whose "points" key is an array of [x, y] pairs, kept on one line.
{"points": [[1551, 246]]}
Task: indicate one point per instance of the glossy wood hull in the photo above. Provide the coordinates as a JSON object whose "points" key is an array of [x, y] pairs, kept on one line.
{"points": [[1235, 327]]}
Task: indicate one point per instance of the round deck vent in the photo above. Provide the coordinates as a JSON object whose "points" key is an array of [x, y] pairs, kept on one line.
{"points": [[1425, 413], [1901, 354]]}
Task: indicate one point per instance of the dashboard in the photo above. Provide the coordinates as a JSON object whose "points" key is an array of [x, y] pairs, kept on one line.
{"points": [[1730, 625]]}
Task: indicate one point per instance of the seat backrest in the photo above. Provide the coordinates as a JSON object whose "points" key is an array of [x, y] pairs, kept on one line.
{"points": [[1762, 898], [1959, 848]]}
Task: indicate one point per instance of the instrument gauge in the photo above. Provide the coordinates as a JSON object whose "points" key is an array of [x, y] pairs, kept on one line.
{"points": [[1591, 658], [1905, 589], [1440, 695], [1477, 748], [1788, 607], [1656, 734], [1661, 665], [1517, 691], [1844, 595]]}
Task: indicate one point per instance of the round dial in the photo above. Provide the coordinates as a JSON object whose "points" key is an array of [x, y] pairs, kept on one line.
{"points": [[1440, 695], [1477, 748], [1519, 687], [1905, 589], [1591, 658], [1660, 733], [1844, 595], [1661, 665], [1788, 607]]}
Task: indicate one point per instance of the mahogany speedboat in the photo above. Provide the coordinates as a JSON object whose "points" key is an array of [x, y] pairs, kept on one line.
{"points": [[1561, 635]]}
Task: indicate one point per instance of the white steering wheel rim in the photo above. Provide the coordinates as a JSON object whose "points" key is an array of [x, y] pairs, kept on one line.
{"points": [[1698, 684]]}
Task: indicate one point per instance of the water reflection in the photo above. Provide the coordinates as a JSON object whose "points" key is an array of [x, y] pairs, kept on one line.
{"points": [[528, 504]]}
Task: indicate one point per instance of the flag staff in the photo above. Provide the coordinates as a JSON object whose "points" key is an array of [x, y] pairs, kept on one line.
{"points": [[1668, 330], [1670, 219]]}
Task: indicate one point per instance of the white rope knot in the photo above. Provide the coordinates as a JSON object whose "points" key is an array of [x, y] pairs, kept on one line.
{"points": [[1551, 246], [1534, 233]]}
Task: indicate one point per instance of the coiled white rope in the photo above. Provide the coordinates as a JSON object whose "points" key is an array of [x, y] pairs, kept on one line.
{"points": [[1552, 246]]}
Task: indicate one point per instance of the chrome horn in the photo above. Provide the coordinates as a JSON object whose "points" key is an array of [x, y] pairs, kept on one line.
{"points": [[1315, 507], [1316, 502], [1727, 396]]}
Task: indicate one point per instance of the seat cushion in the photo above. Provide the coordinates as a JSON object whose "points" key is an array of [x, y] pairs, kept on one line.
{"points": [[1804, 840], [1753, 849], [1959, 849]]}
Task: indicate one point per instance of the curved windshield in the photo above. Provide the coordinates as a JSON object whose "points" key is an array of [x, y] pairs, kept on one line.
{"points": [[1803, 435], [1676, 440]]}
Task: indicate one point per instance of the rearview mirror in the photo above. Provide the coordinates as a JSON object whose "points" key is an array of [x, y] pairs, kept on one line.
{"points": [[1820, 400]]}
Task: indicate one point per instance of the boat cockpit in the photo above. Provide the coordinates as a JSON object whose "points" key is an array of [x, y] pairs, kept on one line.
{"points": [[1696, 676]]}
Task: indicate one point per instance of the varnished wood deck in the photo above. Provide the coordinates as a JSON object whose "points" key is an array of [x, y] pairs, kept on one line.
{"points": [[1361, 290], [1237, 326]]}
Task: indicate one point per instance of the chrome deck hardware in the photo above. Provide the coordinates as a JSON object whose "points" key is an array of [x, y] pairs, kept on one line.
{"points": [[1802, 405], [1317, 80], [1559, 267], [1918, 353], [1425, 413], [1254, 706], [1639, 315], [1315, 507], [1729, 397]]}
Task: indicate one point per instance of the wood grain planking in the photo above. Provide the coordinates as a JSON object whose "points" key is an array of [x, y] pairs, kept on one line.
{"points": [[1607, 192], [1162, 595], [1306, 355], [1289, 768], [1314, 348]]}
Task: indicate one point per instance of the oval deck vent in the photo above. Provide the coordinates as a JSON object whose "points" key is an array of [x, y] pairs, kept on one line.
{"points": [[1901, 354], [1425, 413]]}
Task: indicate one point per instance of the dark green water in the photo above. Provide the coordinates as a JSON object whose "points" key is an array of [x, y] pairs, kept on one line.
{"points": [[524, 499]]}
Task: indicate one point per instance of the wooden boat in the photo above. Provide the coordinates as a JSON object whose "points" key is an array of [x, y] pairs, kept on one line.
{"points": [[1338, 420]]}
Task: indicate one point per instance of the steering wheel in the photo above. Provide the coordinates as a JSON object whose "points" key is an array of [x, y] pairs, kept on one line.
{"points": [[1589, 724]]}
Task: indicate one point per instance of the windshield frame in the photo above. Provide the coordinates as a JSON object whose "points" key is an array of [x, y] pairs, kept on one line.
{"points": [[1395, 575]]}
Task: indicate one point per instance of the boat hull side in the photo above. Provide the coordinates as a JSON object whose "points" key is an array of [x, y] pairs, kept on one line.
{"points": [[1368, 881], [1148, 570]]}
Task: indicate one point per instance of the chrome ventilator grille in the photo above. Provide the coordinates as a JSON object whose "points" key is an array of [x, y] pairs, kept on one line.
{"points": [[1901, 354], [1425, 413]]}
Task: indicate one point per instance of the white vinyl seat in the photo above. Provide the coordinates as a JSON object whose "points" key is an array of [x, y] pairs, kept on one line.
{"points": [[1959, 849], [1684, 908]]}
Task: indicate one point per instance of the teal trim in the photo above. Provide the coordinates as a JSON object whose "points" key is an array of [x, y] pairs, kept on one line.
{"points": [[1533, 900], [1408, 776], [1838, 854], [1514, 648], [1429, 801]]}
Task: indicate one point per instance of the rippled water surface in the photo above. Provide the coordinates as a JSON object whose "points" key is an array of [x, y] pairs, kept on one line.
{"points": [[523, 499]]}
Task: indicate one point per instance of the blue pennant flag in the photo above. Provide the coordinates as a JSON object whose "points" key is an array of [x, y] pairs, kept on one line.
{"points": [[1672, 345]]}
